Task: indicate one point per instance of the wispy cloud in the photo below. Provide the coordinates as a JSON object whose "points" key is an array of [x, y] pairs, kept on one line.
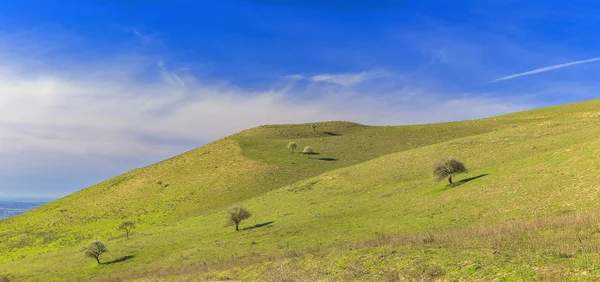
{"points": [[143, 37], [545, 69], [347, 79]]}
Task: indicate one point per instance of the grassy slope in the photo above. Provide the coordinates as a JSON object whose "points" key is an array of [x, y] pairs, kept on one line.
{"points": [[212, 176], [538, 163]]}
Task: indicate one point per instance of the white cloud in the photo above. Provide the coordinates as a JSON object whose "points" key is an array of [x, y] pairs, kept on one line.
{"points": [[144, 37], [347, 79], [137, 33]]}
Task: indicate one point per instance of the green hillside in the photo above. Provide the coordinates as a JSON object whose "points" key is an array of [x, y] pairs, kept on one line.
{"points": [[364, 208]]}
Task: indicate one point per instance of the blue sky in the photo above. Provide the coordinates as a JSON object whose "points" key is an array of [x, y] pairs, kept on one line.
{"points": [[91, 89]]}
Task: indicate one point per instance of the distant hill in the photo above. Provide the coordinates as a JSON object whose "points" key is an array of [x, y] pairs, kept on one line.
{"points": [[365, 207]]}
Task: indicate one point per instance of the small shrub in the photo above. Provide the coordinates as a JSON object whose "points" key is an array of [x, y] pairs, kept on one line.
{"points": [[236, 215], [448, 168], [308, 150], [127, 226], [94, 249], [292, 146]]}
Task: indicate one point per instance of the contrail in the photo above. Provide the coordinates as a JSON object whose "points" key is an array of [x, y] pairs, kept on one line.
{"points": [[545, 69]]}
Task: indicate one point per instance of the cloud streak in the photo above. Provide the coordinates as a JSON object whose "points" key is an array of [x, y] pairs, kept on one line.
{"points": [[347, 79], [545, 69]]}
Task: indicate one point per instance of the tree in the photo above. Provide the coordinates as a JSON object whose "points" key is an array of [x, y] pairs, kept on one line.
{"points": [[293, 146], [127, 226], [94, 249], [308, 151], [236, 215], [447, 168], [314, 127]]}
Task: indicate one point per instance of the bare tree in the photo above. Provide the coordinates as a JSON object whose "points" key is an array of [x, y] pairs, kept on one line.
{"points": [[292, 146], [94, 249], [447, 168], [236, 215], [127, 226]]}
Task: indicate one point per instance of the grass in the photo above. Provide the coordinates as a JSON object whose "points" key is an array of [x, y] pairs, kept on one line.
{"points": [[524, 167], [543, 249]]}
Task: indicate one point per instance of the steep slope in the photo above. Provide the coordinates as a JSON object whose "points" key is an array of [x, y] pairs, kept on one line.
{"points": [[524, 166]]}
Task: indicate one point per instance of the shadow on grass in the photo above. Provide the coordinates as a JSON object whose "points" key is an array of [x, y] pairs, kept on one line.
{"points": [[328, 159], [119, 260], [258, 225], [470, 179], [458, 183], [332, 133]]}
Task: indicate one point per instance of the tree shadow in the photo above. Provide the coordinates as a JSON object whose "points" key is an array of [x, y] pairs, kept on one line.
{"points": [[119, 260], [311, 153], [471, 179], [458, 183], [258, 225], [328, 159], [332, 133]]}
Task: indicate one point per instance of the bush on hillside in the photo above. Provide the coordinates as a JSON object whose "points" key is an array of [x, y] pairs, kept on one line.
{"points": [[292, 146], [94, 249], [127, 226], [236, 215], [448, 168]]}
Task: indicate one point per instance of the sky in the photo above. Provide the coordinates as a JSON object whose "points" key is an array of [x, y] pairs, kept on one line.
{"points": [[90, 89]]}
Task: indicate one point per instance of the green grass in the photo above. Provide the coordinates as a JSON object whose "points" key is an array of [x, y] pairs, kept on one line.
{"points": [[530, 165]]}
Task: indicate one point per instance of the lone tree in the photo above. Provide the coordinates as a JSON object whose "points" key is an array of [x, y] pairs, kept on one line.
{"points": [[292, 146], [236, 215], [447, 168], [94, 249], [314, 127], [127, 226], [308, 151]]}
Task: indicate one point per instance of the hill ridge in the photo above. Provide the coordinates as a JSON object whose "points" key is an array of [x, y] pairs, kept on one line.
{"points": [[387, 163]]}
